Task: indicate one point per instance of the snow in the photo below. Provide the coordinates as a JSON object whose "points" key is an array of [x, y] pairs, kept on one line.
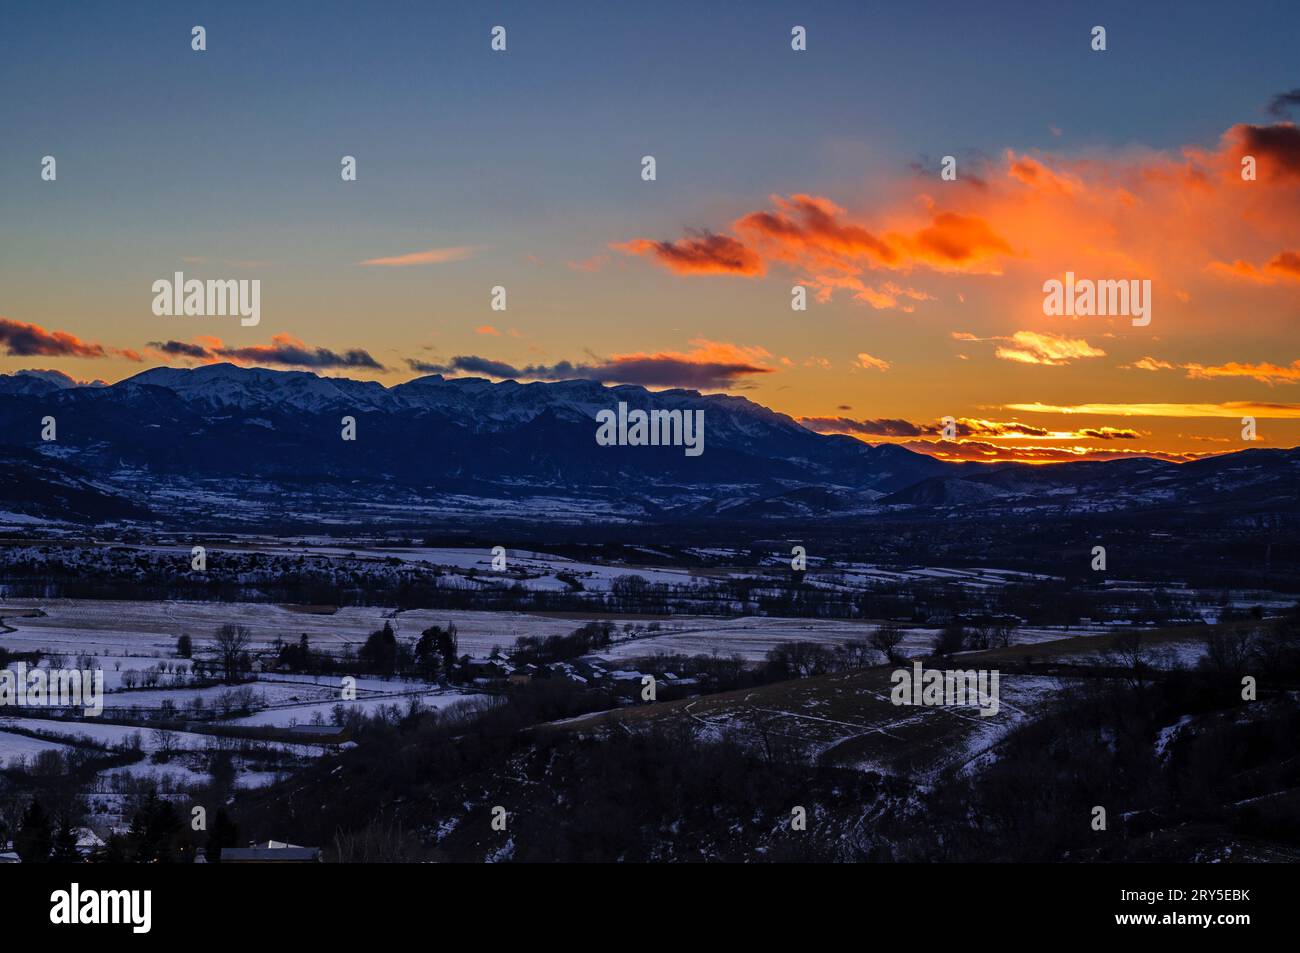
{"points": [[13, 746], [303, 714]]}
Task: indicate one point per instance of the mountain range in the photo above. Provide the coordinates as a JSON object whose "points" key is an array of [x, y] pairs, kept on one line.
{"points": [[243, 447]]}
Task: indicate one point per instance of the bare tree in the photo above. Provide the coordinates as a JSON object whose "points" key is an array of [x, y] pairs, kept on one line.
{"points": [[1229, 652], [886, 640], [1129, 652], [165, 743], [854, 654], [232, 643], [979, 636]]}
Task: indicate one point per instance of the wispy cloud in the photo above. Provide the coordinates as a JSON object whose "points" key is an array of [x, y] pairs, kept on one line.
{"points": [[431, 256], [1265, 372], [1282, 104], [1148, 364], [1236, 408]]}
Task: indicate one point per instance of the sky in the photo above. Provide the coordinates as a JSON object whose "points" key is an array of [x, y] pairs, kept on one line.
{"points": [[774, 169]]}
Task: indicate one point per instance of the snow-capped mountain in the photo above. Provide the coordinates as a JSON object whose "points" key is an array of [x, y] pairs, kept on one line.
{"points": [[35, 382], [256, 446]]}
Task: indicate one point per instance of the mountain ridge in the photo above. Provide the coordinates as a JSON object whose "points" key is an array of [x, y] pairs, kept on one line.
{"points": [[256, 446]]}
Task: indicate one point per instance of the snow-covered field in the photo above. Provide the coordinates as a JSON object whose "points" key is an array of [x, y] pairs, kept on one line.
{"points": [[303, 714], [148, 631], [752, 637], [150, 740], [144, 632], [14, 746]]}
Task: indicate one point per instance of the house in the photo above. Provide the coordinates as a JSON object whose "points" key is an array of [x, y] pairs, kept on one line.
{"points": [[485, 671], [88, 841], [271, 852]]}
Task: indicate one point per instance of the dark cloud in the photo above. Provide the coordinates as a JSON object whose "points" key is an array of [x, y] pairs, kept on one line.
{"points": [[181, 349], [666, 371], [1277, 145], [28, 340], [702, 254], [657, 370], [284, 350], [1109, 433], [291, 355], [1281, 104], [973, 167], [1287, 262], [883, 427], [426, 367]]}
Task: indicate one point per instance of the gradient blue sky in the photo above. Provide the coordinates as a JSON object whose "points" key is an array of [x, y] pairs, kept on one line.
{"points": [[531, 157]]}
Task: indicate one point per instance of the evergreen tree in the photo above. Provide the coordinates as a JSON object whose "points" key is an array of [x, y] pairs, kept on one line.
{"points": [[379, 652], [156, 831], [35, 837], [224, 833], [65, 844]]}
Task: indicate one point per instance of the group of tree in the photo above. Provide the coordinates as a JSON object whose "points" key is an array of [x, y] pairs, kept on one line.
{"points": [[973, 635], [587, 638], [435, 656], [157, 834]]}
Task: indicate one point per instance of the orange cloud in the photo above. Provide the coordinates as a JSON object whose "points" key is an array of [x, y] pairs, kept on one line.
{"points": [[21, 339], [1148, 364], [487, 329], [1265, 373], [867, 362], [432, 256], [1235, 408], [1034, 347], [594, 263], [813, 237], [1107, 215], [958, 243], [1035, 174], [1283, 265]]}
